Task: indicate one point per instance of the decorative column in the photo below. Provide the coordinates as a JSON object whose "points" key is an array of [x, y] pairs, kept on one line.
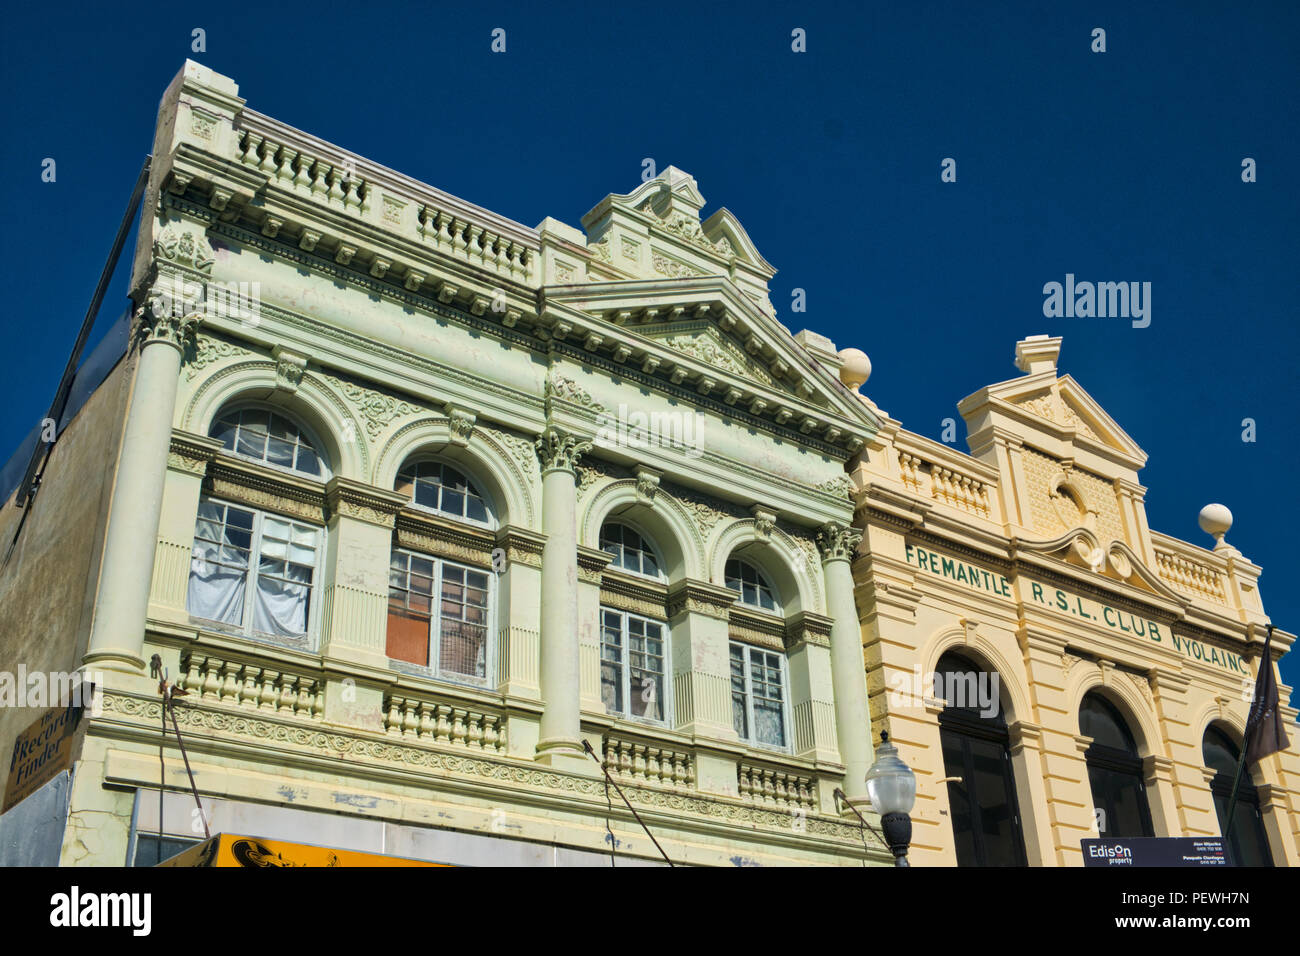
{"points": [[126, 571], [838, 544], [560, 742]]}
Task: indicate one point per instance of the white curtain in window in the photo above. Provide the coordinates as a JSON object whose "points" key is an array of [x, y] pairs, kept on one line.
{"points": [[216, 591], [768, 725], [280, 607]]}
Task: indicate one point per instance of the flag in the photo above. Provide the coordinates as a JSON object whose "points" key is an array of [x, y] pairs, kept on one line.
{"points": [[1265, 731]]}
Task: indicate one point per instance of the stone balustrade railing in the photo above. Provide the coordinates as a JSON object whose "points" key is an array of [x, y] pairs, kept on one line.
{"points": [[270, 688], [1190, 576], [932, 480], [329, 183], [451, 233], [444, 722], [329, 177], [771, 785], [646, 762]]}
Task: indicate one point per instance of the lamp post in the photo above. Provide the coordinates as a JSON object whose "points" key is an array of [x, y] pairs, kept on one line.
{"points": [[891, 785]]}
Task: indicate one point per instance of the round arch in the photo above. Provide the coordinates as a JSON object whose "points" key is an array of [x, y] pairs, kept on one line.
{"points": [[664, 522], [315, 406], [491, 466], [789, 567], [982, 651], [1125, 697]]}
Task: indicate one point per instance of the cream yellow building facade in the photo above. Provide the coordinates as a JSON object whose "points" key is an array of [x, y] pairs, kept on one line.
{"points": [[1031, 559]]}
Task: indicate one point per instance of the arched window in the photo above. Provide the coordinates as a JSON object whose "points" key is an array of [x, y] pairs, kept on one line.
{"points": [[266, 436], [754, 587], [1248, 842], [631, 551], [977, 760], [442, 488], [1114, 770]]}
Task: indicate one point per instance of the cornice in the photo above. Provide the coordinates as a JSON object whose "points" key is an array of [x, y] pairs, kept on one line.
{"points": [[700, 597], [355, 499], [432, 534], [263, 487], [592, 563]]}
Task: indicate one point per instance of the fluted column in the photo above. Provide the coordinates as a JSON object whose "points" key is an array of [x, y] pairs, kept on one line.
{"points": [[122, 602], [559, 742], [848, 672]]}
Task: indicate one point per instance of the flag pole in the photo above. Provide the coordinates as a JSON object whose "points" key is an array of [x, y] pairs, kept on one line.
{"points": [[1265, 660], [1232, 800]]}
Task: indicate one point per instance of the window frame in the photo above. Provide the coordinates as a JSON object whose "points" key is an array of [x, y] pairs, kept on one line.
{"points": [[433, 670], [751, 740], [309, 640], [763, 582], [304, 432], [648, 546], [471, 482], [625, 669]]}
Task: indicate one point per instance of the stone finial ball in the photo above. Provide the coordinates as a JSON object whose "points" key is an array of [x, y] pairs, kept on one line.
{"points": [[856, 368], [1215, 520]]}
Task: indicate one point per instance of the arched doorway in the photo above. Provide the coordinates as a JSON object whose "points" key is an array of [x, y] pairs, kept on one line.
{"points": [[1114, 770], [977, 760], [1248, 842]]}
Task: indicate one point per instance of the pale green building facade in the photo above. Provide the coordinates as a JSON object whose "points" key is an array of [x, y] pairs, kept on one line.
{"points": [[414, 502]]}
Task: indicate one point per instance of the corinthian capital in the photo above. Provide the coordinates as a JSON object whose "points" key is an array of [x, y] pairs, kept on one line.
{"points": [[174, 328], [557, 449], [835, 541]]}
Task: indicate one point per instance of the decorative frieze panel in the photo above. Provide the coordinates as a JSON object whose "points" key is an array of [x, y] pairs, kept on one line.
{"points": [[521, 546], [353, 499], [762, 629], [210, 350], [186, 247], [405, 754], [626, 593], [445, 539], [700, 597], [377, 410], [261, 487], [806, 627], [191, 453]]}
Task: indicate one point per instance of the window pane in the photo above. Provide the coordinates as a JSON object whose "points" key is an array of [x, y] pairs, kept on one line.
{"points": [[219, 564], [611, 662], [739, 716]]}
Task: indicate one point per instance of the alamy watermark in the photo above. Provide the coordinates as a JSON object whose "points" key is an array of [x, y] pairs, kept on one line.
{"points": [[240, 301], [52, 689], [1102, 300], [968, 689], [683, 431]]}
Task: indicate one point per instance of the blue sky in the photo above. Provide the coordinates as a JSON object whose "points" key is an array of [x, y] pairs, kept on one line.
{"points": [[1122, 166]]}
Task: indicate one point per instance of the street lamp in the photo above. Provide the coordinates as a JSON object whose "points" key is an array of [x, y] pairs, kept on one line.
{"points": [[891, 785]]}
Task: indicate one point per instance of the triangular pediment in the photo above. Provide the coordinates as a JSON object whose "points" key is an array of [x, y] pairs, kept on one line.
{"points": [[705, 341], [722, 334], [1065, 404], [1042, 406]]}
